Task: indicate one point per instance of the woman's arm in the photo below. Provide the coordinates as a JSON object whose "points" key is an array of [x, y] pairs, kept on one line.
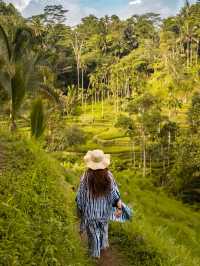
{"points": [[80, 197], [116, 199]]}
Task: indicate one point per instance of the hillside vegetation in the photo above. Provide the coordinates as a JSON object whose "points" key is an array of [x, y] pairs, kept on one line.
{"points": [[37, 222], [38, 226], [164, 231]]}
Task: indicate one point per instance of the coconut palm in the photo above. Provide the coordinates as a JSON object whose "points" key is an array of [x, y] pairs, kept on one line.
{"points": [[21, 69], [16, 67]]}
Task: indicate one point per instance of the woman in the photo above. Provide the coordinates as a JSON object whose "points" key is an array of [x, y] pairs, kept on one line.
{"points": [[97, 194]]}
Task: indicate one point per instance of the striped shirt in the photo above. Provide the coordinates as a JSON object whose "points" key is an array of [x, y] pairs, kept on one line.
{"points": [[96, 208]]}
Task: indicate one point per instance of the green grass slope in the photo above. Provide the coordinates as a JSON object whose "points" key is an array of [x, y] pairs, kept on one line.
{"points": [[163, 232], [37, 224]]}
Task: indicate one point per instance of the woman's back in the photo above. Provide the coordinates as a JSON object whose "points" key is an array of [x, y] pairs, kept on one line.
{"points": [[96, 207], [97, 193]]}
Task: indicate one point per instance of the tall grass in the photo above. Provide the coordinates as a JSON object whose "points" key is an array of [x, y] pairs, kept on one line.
{"points": [[37, 222], [163, 231]]}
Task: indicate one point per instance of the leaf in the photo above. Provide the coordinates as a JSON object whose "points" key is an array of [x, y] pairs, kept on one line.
{"points": [[18, 89], [5, 50], [5, 82]]}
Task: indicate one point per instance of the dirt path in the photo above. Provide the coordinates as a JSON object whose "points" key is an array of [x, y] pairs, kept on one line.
{"points": [[110, 257]]}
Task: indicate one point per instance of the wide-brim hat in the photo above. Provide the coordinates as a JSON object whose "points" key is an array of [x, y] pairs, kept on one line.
{"points": [[97, 159]]}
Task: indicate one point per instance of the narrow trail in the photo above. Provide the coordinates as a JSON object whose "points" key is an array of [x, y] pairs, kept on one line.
{"points": [[110, 257]]}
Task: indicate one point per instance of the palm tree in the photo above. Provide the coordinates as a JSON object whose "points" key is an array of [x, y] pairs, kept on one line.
{"points": [[188, 32], [21, 70], [15, 67]]}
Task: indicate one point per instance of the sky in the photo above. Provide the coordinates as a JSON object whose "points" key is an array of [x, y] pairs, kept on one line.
{"points": [[81, 8]]}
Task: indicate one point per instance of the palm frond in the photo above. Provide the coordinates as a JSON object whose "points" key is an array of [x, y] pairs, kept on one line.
{"points": [[5, 49], [21, 42], [50, 93], [18, 89], [32, 77], [5, 82]]}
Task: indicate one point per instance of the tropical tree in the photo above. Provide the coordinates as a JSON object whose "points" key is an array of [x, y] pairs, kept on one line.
{"points": [[16, 67], [21, 70], [128, 124]]}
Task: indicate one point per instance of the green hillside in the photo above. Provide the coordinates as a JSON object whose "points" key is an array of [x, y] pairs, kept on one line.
{"points": [[37, 222], [38, 226], [163, 231]]}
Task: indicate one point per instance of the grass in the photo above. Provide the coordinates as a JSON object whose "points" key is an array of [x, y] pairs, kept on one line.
{"points": [[37, 205], [163, 231], [37, 221]]}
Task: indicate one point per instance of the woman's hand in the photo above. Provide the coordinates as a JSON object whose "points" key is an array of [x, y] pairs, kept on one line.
{"points": [[118, 212]]}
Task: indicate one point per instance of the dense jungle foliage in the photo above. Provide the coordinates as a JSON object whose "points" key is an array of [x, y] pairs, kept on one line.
{"points": [[130, 87]]}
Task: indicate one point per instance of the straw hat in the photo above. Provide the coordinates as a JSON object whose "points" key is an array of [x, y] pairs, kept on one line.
{"points": [[97, 159]]}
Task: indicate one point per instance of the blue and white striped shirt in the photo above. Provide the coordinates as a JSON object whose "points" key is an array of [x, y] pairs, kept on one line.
{"points": [[96, 208]]}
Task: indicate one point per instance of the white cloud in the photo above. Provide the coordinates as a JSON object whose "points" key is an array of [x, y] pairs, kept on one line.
{"points": [[33, 7], [135, 2], [20, 4], [163, 7], [78, 11]]}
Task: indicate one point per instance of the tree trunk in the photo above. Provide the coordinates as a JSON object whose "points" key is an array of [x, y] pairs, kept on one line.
{"points": [[82, 78], [150, 164], [92, 108], [85, 106], [144, 155], [188, 53], [117, 100], [102, 103], [169, 145], [133, 153], [78, 76], [163, 159], [13, 125]]}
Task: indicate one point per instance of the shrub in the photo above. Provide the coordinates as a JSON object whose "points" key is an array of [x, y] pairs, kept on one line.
{"points": [[37, 119], [74, 136]]}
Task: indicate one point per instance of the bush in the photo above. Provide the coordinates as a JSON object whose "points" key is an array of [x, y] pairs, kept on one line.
{"points": [[37, 119], [74, 136], [124, 122], [63, 138], [185, 175]]}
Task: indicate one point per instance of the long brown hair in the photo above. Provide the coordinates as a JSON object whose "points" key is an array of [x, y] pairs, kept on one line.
{"points": [[99, 182]]}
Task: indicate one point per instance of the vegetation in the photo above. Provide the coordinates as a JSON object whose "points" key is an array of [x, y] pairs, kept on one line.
{"points": [[37, 224], [161, 232], [129, 87]]}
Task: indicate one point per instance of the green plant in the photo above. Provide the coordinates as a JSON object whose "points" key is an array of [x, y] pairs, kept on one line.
{"points": [[74, 136], [37, 119]]}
